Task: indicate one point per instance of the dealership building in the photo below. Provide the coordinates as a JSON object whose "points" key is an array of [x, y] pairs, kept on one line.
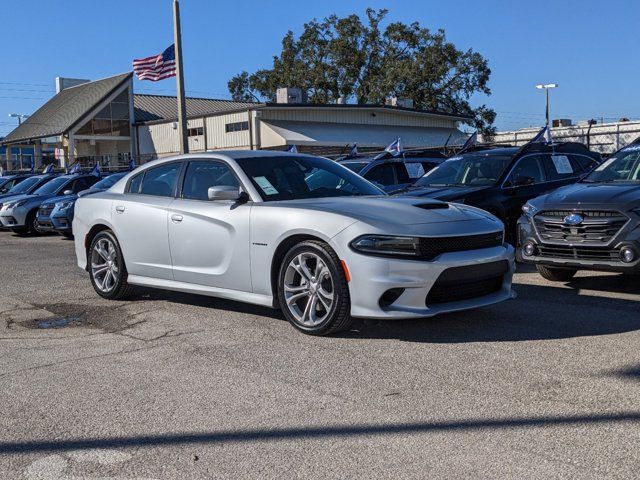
{"points": [[105, 121]]}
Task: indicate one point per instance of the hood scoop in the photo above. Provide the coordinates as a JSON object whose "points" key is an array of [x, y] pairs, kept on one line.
{"points": [[433, 206]]}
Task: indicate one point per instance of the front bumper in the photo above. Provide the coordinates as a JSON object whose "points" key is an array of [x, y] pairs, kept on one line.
{"points": [[14, 217], [372, 277], [628, 237], [56, 221]]}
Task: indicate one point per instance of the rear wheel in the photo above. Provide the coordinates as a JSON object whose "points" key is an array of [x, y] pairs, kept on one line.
{"points": [[107, 270], [312, 289], [556, 274]]}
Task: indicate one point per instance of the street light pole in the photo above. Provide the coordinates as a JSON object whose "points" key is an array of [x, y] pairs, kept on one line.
{"points": [[546, 87]]}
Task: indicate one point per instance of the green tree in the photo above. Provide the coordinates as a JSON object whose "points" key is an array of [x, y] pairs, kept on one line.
{"points": [[362, 61]]}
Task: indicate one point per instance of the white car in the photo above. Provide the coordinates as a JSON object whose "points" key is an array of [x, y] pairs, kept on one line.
{"points": [[290, 231]]}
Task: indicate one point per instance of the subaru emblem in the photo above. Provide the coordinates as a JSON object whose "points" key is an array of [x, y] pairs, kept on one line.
{"points": [[573, 219]]}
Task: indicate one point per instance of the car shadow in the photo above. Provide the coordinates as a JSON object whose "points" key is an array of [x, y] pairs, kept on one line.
{"points": [[204, 301], [539, 313]]}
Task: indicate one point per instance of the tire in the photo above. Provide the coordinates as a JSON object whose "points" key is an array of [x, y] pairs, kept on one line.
{"points": [[30, 225], [303, 279], [556, 274], [107, 270]]}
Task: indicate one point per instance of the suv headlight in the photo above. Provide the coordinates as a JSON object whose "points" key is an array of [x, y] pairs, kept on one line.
{"points": [[16, 204], [64, 205], [387, 245], [529, 210]]}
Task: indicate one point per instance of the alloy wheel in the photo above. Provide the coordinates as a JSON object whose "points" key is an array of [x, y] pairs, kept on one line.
{"points": [[308, 289], [104, 265]]}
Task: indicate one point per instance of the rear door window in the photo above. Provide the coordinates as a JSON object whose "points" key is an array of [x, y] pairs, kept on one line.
{"points": [[161, 181], [383, 174], [561, 167]]}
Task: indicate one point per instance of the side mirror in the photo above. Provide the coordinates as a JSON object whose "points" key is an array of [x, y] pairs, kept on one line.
{"points": [[68, 192], [521, 181], [224, 192]]}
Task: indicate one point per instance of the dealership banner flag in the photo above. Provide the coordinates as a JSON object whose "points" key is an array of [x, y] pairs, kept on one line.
{"points": [[394, 148], [471, 141], [156, 67]]}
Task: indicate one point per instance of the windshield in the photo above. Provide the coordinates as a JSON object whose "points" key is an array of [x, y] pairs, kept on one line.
{"points": [[108, 182], [354, 166], [25, 185], [52, 186], [623, 167], [472, 170], [292, 178]]}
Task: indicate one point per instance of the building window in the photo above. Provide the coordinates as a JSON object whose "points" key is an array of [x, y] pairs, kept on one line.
{"points": [[111, 120], [236, 127], [194, 132]]}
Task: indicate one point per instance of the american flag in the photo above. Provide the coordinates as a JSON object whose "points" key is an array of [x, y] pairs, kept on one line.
{"points": [[156, 67]]}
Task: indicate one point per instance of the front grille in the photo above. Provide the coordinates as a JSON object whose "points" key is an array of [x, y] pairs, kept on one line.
{"points": [[464, 283], [430, 248], [578, 253], [45, 210], [599, 226]]}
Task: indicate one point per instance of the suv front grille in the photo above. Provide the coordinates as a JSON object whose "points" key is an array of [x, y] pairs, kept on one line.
{"points": [[599, 226], [464, 283], [430, 248], [579, 253], [45, 210]]}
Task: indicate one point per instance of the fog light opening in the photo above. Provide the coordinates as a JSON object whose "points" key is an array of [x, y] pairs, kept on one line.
{"points": [[390, 296], [529, 249], [627, 255]]}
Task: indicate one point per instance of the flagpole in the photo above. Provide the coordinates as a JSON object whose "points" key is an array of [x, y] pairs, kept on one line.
{"points": [[182, 107]]}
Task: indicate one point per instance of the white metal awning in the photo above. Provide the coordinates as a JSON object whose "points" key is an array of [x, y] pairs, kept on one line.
{"points": [[275, 133]]}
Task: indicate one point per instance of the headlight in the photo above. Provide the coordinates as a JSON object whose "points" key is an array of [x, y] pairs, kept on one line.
{"points": [[529, 210], [387, 245], [64, 205], [15, 204]]}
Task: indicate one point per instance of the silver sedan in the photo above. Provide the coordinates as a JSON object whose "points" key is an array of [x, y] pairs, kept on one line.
{"points": [[290, 231]]}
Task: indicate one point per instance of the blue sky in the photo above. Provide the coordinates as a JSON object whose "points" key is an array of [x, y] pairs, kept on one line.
{"points": [[588, 47]]}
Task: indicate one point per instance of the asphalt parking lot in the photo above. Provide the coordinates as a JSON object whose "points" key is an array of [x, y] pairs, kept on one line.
{"points": [[180, 386]]}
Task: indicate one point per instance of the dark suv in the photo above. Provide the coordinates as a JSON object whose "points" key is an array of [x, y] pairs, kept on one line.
{"points": [[393, 173], [592, 225], [502, 180]]}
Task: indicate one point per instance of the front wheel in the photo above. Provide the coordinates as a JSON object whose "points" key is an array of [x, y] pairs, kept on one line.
{"points": [[312, 289], [107, 270], [556, 274]]}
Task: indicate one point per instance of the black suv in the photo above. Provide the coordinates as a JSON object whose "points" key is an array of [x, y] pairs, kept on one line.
{"points": [[394, 173], [502, 180], [592, 225]]}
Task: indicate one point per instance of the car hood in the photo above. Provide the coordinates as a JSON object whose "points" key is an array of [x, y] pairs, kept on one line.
{"points": [[444, 193], [52, 200], [90, 191], [391, 210], [623, 196], [30, 197]]}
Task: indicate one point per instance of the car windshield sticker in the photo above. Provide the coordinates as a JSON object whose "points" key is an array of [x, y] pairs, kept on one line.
{"points": [[605, 164], [415, 170], [562, 164], [265, 185]]}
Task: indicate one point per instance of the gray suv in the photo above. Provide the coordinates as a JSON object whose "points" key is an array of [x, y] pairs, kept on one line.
{"points": [[591, 225]]}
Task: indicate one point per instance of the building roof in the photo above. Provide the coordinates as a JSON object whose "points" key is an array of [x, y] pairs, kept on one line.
{"points": [[66, 109], [367, 106], [159, 108]]}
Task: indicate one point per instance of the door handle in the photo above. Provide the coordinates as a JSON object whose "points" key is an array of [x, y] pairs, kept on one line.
{"points": [[176, 218], [120, 209]]}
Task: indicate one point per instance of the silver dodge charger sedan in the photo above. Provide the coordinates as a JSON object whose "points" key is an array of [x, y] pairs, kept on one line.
{"points": [[290, 231]]}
